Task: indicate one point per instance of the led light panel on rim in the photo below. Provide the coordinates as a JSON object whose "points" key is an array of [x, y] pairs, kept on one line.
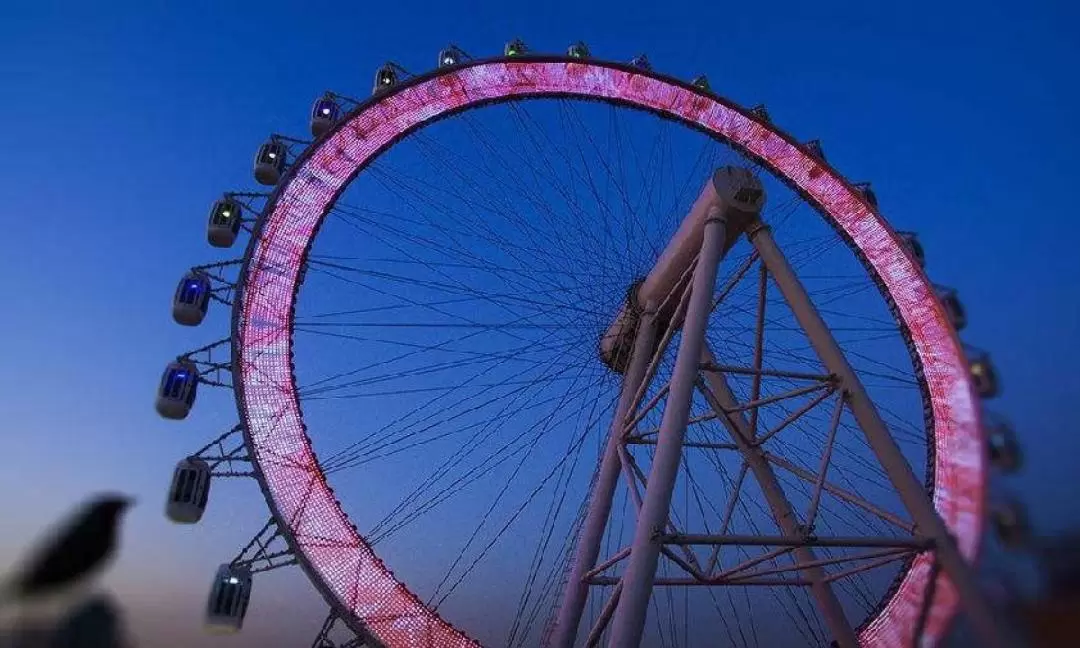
{"points": [[338, 559]]}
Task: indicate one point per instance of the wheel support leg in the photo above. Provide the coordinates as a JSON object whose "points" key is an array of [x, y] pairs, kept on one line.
{"points": [[592, 531], [628, 624], [903, 479]]}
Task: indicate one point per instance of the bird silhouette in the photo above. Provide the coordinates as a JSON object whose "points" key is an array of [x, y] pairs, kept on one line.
{"points": [[78, 549]]}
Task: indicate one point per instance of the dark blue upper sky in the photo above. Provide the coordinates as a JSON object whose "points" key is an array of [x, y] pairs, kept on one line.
{"points": [[121, 121]]}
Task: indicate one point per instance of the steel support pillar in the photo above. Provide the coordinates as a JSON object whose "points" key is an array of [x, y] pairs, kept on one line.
{"points": [[912, 493], [722, 400], [628, 624], [576, 593]]}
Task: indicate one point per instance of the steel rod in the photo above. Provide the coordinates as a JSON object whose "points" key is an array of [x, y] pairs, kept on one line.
{"points": [[735, 279], [754, 404], [790, 418], [873, 564], [627, 463], [688, 444], [826, 457], [823, 562], [599, 569], [693, 420], [759, 347], [771, 373], [797, 541], [645, 409], [683, 564], [847, 496], [690, 582], [747, 564], [602, 621]]}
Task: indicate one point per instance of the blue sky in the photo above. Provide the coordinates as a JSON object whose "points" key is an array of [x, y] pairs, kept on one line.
{"points": [[122, 122]]}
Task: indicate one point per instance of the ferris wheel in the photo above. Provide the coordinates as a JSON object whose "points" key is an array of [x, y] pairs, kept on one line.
{"points": [[592, 356]]}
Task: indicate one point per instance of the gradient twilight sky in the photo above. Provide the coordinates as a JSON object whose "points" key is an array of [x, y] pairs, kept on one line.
{"points": [[121, 121]]}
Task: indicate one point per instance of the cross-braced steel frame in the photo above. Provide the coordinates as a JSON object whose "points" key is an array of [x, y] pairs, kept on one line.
{"points": [[679, 294]]}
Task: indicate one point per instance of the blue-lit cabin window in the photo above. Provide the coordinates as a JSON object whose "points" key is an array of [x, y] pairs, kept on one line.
{"points": [[192, 291], [177, 382]]}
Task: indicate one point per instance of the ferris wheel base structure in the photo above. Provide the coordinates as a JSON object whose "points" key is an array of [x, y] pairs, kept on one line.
{"points": [[727, 208]]}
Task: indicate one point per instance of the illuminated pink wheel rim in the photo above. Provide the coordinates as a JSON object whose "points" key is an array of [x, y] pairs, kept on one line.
{"points": [[339, 561]]}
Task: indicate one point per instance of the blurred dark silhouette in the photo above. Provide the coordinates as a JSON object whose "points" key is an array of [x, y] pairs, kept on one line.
{"points": [[43, 602], [1054, 618], [79, 549], [96, 624]]}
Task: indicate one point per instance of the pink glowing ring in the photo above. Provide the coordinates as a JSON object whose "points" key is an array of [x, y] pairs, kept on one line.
{"points": [[337, 558]]}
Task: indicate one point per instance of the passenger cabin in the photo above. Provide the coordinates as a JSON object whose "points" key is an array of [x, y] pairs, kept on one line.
{"points": [[1010, 522], [1003, 448], [176, 394], [228, 601], [578, 50], [814, 148], [324, 114], [449, 56], [867, 193], [910, 240], [761, 112], [701, 82], [954, 310], [385, 78], [984, 377], [189, 491], [641, 62], [223, 225], [192, 299], [270, 162], [515, 47]]}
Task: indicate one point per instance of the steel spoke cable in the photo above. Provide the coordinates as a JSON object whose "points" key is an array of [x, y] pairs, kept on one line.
{"points": [[486, 431], [509, 402], [546, 421], [577, 444], [341, 463], [337, 456], [549, 525], [504, 454]]}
